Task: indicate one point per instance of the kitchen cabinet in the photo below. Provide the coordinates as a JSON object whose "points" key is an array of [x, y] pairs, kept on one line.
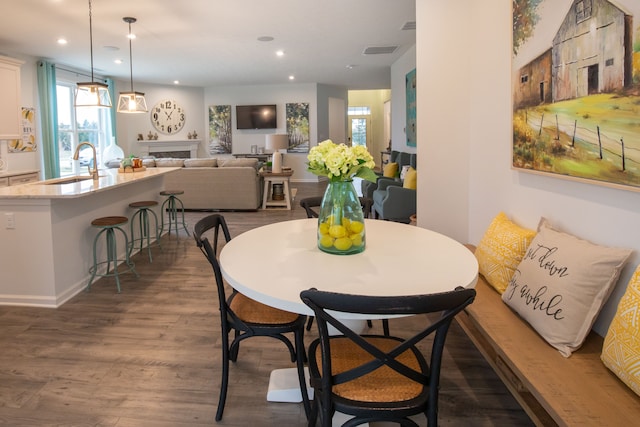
{"points": [[10, 104]]}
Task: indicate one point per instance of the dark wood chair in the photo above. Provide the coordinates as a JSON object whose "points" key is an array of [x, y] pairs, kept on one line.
{"points": [[378, 377], [245, 317]]}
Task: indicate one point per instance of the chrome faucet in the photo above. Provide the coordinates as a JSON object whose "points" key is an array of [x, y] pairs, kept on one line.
{"points": [[76, 155]]}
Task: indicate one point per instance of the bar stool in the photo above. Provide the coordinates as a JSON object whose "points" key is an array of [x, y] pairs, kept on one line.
{"points": [[109, 225], [141, 216], [171, 206]]}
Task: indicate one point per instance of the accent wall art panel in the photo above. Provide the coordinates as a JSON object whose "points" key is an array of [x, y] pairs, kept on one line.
{"points": [[220, 129], [298, 127], [576, 89], [27, 143], [410, 130]]}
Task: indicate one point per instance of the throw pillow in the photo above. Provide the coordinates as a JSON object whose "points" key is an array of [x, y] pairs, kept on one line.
{"points": [[410, 179], [561, 285], [390, 170], [238, 163], [501, 249], [167, 162], [201, 163], [621, 349]]}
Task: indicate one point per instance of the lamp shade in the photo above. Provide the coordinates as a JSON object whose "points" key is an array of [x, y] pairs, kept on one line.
{"points": [[276, 141], [92, 94], [132, 102]]}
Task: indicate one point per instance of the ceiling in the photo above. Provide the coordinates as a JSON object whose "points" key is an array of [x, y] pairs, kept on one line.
{"points": [[215, 42]]}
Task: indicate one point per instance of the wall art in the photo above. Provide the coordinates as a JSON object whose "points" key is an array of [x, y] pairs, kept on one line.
{"points": [[576, 89], [220, 129], [410, 130], [298, 127], [27, 143]]}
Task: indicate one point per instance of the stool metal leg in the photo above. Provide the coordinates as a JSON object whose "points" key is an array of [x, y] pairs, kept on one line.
{"points": [[112, 256], [142, 217], [170, 205]]}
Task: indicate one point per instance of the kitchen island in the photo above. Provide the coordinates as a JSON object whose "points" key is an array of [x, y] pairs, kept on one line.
{"points": [[46, 235]]}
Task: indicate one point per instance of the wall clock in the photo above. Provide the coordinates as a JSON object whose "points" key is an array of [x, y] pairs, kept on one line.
{"points": [[167, 117]]}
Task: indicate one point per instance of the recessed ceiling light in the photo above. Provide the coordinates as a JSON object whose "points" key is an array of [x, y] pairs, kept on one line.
{"points": [[62, 40], [265, 39], [118, 61], [292, 77], [176, 82], [280, 53]]}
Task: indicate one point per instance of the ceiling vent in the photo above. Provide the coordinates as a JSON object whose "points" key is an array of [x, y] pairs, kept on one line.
{"points": [[409, 25], [379, 50]]}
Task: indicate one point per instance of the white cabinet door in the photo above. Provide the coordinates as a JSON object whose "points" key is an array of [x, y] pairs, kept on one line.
{"points": [[10, 100]]}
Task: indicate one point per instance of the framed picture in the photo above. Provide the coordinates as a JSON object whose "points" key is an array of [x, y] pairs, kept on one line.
{"points": [[27, 143], [576, 89], [220, 129], [298, 127], [410, 130]]}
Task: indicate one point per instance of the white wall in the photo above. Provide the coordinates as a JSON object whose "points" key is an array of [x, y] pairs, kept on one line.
{"points": [[464, 116], [399, 70]]}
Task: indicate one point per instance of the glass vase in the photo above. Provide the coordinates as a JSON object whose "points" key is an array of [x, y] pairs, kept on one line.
{"points": [[341, 228]]}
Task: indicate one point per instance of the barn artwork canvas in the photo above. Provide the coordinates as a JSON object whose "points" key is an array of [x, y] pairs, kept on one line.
{"points": [[576, 89]]}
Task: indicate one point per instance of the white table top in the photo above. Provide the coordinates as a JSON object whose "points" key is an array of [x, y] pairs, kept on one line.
{"points": [[274, 263]]}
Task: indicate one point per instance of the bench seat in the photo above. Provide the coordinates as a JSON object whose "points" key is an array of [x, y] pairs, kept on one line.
{"points": [[552, 389]]}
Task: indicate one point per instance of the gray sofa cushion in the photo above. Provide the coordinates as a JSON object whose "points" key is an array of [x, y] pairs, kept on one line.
{"points": [[169, 163], [201, 163], [238, 163]]}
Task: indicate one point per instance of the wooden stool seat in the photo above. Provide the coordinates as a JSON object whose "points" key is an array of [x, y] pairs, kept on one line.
{"points": [[171, 192], [109, 225], [109, 221], [143, 204]]}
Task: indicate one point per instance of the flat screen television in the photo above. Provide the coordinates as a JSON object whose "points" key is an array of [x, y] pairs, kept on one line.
{"points": [[256, 117]]}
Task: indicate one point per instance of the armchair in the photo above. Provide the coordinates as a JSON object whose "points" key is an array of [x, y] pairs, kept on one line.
{"points": [[391, 201], [399, 157]]}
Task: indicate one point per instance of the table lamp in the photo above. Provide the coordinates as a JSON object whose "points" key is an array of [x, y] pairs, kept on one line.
{"points": [[273, 144]]}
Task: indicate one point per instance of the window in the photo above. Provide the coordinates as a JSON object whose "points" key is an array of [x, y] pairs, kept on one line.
{"points": [[76, 125], [524, 78], [609, 62], [583, 10], [359, 111]]}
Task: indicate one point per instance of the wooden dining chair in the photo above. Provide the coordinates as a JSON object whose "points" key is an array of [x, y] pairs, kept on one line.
{"points": [[245, 317], [378, 377]]}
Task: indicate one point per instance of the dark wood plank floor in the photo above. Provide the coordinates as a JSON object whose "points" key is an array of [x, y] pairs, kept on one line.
{"points": [[150, 355]]}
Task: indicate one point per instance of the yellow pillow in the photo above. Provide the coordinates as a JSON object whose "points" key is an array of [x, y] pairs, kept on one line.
{"points": [[621, 349], [390, 170], [501, 249], [410, 179]]}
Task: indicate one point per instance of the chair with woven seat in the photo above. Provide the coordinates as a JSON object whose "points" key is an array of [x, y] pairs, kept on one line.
{"points": [[377, 377], [245, 317]]}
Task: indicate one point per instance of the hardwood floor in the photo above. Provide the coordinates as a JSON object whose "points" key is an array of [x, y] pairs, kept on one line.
{"points": [[150, 357]]}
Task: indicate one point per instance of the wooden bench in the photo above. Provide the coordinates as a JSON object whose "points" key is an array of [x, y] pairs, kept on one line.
{"points": [[552, 389]]}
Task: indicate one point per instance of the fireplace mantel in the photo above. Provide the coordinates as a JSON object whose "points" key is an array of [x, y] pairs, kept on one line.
{"points": [[149, 147]]}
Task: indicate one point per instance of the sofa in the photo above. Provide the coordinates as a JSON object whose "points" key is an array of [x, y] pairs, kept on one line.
{"points": [[214, 183]]}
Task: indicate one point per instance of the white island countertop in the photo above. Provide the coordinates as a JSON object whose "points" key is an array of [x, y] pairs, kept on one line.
{"points": [[109, 179]]}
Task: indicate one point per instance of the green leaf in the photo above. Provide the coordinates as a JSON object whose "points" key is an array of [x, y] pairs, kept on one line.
{"points": [[367, 174]]}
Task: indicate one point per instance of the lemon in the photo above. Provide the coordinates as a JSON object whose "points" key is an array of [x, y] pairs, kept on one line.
{"points": [[323, 228], [326, 241], [345, 223], [356, 227], [343, 243], [356, 239], [337, 231]]}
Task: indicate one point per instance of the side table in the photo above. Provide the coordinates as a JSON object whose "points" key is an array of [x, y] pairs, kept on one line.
{"points": [[276, 178]]}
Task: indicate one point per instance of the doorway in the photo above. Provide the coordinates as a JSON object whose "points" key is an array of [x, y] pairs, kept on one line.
{"points": [[359, 130]]}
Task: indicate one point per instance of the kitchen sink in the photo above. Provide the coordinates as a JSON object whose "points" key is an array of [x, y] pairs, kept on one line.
{"points": [[67, 180]]}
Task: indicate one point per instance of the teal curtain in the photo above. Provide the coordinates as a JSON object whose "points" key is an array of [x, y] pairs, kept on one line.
{"points": [[48, 118], [112, 110]]}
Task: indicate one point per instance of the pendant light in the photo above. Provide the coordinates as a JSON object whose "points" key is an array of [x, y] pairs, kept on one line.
{"points": [[92, 94], [131, 102]]}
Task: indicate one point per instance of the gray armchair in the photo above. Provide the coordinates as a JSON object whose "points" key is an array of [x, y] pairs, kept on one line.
{"points": [[391, 201], [399, 157]]}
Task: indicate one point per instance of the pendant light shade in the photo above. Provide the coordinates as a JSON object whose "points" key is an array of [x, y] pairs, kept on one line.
{"points": [[92, 94], [131, 102]]}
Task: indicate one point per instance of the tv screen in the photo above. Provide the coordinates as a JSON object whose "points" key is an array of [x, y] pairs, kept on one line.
{"points": [[256, 117]]}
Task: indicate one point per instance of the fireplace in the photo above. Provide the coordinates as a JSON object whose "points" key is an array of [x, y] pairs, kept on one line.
{"points": [[180, 149]]}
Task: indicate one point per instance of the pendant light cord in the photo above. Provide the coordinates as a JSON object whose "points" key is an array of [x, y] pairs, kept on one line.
{"points": [[91, 40], [130, 57]]}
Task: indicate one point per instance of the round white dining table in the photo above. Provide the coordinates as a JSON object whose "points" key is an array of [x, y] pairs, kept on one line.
{"points": [[272, 264]]}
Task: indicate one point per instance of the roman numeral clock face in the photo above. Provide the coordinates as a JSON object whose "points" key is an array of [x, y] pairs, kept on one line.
{"points": [[168, 117]]}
